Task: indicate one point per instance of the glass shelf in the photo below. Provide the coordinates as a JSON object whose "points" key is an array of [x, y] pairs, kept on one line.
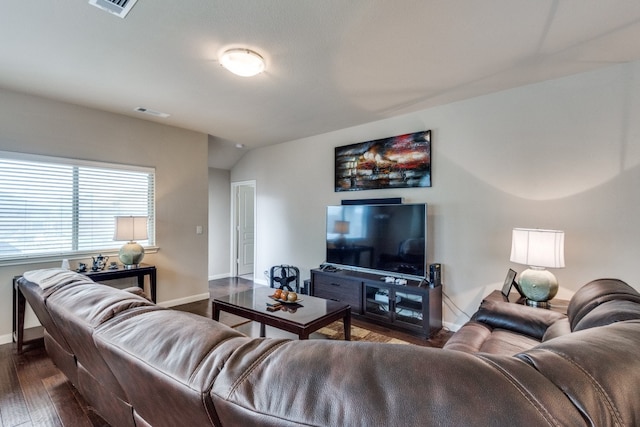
{"points": [[394, 305]]}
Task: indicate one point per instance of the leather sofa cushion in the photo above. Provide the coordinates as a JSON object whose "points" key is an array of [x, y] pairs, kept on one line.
{"points": [[79, 310], [557, 329], [469, 338], [609, 312], [518, 318], [595, 293], [166, 362], [507, 343], [36, 297], [136, 290], [475, 337], [64, 360], [94, 303], [329, 383], [598, 369], [115, 411]]}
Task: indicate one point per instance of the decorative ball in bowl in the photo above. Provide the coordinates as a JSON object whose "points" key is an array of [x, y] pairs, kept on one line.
{"points": [[283, 295]]}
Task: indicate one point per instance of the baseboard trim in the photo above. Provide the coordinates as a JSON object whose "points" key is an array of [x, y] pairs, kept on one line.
{"points": [[6, 339], [451, 326], [185, 300], [261, 282], [227, 275]]}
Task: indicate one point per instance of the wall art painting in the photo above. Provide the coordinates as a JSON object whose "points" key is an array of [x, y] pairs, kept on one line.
{"points": [[397, 162]]}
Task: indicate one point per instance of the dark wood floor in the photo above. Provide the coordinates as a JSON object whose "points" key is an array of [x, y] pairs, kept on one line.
{"points": [[33, 392]]}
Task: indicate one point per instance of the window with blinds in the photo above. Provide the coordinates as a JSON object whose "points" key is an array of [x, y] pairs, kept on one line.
{"points": [[52, 206]]}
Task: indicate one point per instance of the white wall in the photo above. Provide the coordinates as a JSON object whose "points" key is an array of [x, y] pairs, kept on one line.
{"points": [[219, 223], [562, 154], [40, 126]]}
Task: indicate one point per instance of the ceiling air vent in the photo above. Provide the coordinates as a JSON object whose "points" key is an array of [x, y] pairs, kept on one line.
{"points": [[151, 112], [117, 7]]}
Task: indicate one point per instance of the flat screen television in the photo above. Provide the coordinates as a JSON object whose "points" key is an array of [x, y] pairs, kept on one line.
{"points": [[387, 238]]}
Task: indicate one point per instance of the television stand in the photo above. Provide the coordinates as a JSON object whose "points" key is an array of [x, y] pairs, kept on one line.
{"points": [[407, 306]]}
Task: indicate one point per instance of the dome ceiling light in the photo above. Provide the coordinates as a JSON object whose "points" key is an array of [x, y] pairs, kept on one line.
{"points": [[242, 62]]}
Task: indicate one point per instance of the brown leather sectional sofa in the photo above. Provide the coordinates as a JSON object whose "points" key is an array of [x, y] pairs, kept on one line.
{"points": [[139, 364], [500, 327]]}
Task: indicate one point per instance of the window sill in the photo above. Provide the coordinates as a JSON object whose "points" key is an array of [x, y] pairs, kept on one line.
{"points": [[71, 256]]}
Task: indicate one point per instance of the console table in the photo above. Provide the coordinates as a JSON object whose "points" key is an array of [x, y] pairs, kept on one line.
{"points": [[22, 336], [404, 306], [140, 272]]}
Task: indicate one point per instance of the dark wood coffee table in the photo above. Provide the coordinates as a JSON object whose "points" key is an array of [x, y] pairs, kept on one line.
{"points": [[303, 318]]}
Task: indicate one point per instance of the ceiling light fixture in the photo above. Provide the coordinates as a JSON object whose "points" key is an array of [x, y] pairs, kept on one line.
{"points": [[242, 62]]}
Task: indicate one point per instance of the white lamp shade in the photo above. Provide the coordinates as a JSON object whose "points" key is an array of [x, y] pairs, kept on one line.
{"points": [[131, 228], [538, 248]]}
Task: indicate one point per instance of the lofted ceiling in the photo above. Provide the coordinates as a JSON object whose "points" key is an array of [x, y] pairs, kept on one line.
{"points": [[331, 64]]}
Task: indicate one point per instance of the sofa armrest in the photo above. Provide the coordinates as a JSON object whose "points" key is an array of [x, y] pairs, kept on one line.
{"points": [[469, 338], [518, 318]]}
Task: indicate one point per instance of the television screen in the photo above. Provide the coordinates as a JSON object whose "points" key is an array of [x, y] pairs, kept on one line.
{"points": [[384, 238]]}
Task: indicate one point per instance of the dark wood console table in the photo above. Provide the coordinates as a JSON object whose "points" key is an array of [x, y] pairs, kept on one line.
{"points": [[121, 273], [22, 336], [405, 306], [556, 304]]}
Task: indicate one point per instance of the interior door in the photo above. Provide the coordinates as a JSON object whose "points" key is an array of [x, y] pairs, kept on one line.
{"points": [[245, 229]]}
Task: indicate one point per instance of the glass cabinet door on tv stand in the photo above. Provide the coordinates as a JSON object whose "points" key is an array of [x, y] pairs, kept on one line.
{"points": [[397, 305], [411, 306]]}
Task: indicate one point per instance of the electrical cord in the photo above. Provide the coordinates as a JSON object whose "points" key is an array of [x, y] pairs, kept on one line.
{"points": [[454, 304]]}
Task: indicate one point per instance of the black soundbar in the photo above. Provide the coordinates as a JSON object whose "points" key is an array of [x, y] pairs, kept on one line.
{"points": [[387, 201]]}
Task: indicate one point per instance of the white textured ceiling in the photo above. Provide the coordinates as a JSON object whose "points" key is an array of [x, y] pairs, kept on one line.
{"points": [[331, 64]]}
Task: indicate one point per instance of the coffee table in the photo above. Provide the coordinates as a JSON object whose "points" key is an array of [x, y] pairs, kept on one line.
{"points": [[303, 318]]}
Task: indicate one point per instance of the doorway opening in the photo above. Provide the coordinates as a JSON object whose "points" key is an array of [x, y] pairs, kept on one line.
{"points": [[243, 228]]}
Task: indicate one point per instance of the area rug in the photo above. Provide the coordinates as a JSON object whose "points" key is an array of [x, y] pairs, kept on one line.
{"points": [[335, 331]]}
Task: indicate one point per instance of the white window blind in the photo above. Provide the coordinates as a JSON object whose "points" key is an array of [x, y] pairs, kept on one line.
{"points": [[51, 206]]}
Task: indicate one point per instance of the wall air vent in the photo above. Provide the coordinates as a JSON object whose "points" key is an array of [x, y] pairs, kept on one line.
{"points": [[151, 112], [117, 7]]}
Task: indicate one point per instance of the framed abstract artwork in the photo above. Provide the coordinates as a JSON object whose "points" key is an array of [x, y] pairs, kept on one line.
{"points": [[396, 162]]}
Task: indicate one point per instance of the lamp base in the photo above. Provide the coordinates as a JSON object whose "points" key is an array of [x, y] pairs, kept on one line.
{"points": [[538, 285], [131, 254], [539, 304]]}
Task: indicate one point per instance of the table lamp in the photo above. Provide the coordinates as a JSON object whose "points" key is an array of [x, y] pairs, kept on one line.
{"points": [[341, 228], [539, 249], [131, 228]]}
